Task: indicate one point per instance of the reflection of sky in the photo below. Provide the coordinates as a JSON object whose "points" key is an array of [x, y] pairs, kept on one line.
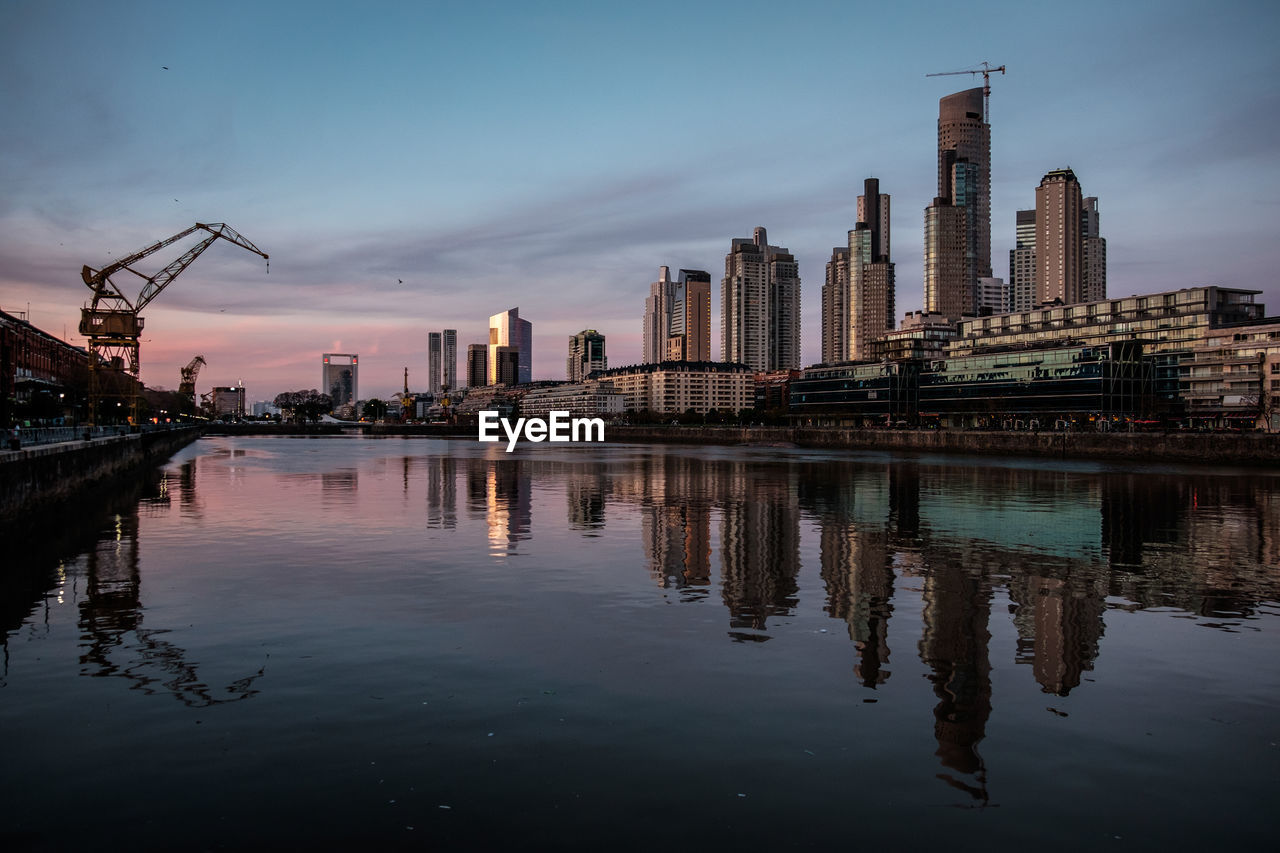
{"points": [[484, 152], [1066, 528]]}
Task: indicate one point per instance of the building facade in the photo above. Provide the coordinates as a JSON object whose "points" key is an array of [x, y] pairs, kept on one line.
{"points": [[1059, 246], [340, 378], [1093, 270], [760, 305], [449, 348], [674, 387], [477, 365], [677, 317], [227, 402], [586, 355], [435, 358], [871, 274], [580, 399], [1022, 263], [508, 330], [835, 307]]}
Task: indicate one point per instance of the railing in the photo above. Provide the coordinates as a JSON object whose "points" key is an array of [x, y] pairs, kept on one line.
{"points": [[33, 436]]}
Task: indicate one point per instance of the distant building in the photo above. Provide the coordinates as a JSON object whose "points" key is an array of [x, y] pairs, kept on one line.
{"points": [[993, 296], [508, 330], [1022, 263], [871, 273], [677, 317], [434, 366], [228, 402], [760, 305], [477, 365], [505, 365], [835, 307], [673, 387], [1093, 270], [1059, 245], [340, 379], [586, 355], [449, 347], [592, 398]]}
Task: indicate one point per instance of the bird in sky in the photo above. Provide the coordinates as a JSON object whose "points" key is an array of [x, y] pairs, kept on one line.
{"points": [[400, 280], [165, 67]]}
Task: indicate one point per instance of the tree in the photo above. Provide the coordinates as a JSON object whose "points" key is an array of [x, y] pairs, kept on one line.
{"points": [[303, 406], [374, 410]]}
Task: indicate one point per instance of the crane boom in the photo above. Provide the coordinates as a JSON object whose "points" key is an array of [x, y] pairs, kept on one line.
{"points": [[112, 322], [986, 71]]}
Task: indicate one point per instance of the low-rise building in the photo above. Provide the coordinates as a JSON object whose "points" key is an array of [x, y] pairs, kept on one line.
{"points": [[856, 394], [674, 387], [584, 399]]}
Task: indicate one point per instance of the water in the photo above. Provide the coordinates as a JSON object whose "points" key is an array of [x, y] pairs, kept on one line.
{"points": [[431, 643]]}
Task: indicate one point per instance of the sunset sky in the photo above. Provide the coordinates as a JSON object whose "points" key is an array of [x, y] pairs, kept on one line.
{"points": [[552, 155]]}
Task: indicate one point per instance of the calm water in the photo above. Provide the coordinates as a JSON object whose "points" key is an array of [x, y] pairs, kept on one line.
{"points": [[322, 642]]}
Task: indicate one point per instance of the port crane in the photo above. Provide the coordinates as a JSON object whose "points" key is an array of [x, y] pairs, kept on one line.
{"points": [[187, 388], [986, 71], [111, 320]]}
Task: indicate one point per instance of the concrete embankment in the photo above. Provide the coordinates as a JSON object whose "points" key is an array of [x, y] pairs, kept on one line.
{"points": [[1260, 449], [39, 477]]}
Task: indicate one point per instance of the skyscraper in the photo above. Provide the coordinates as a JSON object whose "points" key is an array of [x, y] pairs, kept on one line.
{"points": [[760, 305], [433, 363], [477, 365], [835, 307], [1093, 286], [586, 355], [450, 347], [677, 317], [1022, 263], [508, 330], [1059, 245], [958, 223], [871, 273], [339, 378]]}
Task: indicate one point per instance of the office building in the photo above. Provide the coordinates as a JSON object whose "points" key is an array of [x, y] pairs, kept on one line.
{"points": [[586, 355], [835, 307], [508, 330], [340, 378], [1022, 263], [1059, 247], [871, 273], [1093, 269], [993, 296], [504, 365], [677, 317], [434, 356], [228, 402], [958, 222], [760, 305], [449, 345], [477, 365]]}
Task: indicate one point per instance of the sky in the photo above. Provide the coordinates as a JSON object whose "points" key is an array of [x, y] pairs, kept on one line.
{"points": [[415, 166]]}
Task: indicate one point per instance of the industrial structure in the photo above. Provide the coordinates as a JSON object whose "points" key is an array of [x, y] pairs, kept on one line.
{"points": [[112, 321], [187, 387]]}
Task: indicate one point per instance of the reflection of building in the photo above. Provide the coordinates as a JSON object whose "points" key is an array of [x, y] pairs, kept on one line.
{"points": [[508, 501], [442, 492], [759, 547], [957, 607], [677, 543], [507, 330], [1059, 621], [339, 378]]}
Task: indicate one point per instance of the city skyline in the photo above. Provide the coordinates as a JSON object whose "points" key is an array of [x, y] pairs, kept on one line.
{"points": [[380, 225]]}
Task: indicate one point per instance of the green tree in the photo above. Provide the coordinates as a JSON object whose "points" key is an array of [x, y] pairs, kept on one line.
{"points": [[374, 410], [302, 406]]}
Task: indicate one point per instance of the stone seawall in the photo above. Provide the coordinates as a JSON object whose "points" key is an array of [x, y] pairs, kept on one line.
{"points": [[1260, 449], [39, 477]]}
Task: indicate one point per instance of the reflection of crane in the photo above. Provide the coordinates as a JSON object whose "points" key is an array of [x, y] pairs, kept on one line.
{"points": [[985, 71], [111, 321], [188, 386]]}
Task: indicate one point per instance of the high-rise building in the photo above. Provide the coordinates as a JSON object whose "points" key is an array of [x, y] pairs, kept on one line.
{"points": [[835, 307], [477, 365], [958, 239], [433, 363], [993, 296], [1093, 284], [1022, 263], [586, 355], [339, 378], [450, 347], [677, 317], [505, 365], [871, 273], [508, 330], [760, 305], [1059, 244]]}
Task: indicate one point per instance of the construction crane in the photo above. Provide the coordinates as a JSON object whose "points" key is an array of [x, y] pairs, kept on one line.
{"points": [[187, 388], [112, 323], [986, 71], [406, 400]]}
